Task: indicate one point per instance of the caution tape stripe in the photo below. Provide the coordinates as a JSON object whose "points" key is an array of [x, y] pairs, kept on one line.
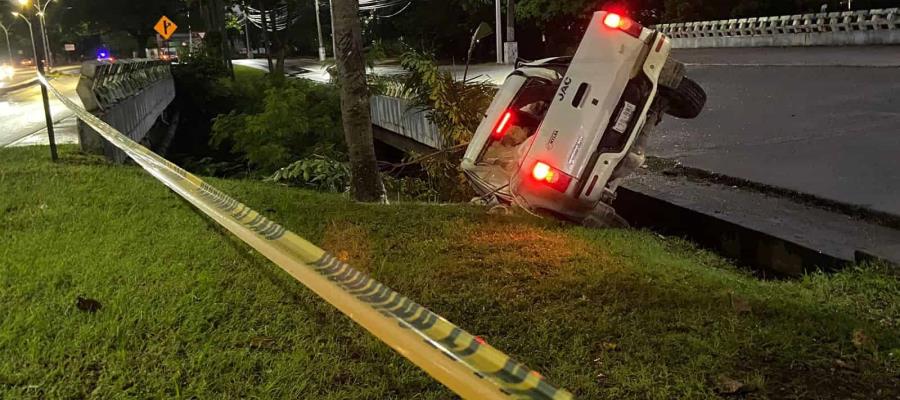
{"points": [[456, 358]]}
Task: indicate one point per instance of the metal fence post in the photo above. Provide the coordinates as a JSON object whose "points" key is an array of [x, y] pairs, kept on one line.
{"points": [[47, 116]]}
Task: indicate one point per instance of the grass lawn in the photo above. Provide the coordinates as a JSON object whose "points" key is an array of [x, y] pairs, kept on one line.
{"points": [[243, 72], [189, 312]]}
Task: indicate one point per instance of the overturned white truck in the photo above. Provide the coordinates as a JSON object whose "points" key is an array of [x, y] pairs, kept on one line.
{"points": [[562, 132]]}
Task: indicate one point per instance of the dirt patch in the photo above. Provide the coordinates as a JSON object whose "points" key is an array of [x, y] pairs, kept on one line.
{"points": [[514, 249], [349, 243]]}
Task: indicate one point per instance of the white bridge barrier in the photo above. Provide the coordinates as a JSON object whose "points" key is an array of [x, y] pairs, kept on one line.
{"points": [[862, 27]]}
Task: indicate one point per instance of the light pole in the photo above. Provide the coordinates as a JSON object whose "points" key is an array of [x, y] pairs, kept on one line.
{"points": [[8, 47], [31, 32], [319, 26], [39, 66], [41, 12]]}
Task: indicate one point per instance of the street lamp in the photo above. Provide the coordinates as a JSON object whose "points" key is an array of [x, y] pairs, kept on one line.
{"points": [[39, 67], [41, 12], [31, 32]]}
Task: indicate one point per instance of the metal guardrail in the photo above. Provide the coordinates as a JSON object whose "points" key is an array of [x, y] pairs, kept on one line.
{"points": [[847, 21]]}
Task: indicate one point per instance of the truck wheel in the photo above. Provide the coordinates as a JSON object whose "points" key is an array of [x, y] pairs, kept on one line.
{"points": [[686, 101]]}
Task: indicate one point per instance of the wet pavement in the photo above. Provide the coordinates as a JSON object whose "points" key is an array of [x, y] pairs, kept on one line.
{"points": [[22, 112]]}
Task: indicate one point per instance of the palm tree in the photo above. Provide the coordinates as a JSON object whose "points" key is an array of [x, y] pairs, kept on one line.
{"points": [[365, 180]]}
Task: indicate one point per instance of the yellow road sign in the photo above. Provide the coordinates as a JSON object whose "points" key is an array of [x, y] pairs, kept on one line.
{"points": [[165, 27]]}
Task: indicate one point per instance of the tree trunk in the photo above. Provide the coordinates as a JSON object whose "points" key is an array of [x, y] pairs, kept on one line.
{"points": [[277, 48], [265, 35], [365, 180]]}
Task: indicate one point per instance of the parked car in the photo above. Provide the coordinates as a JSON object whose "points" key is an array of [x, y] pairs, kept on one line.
{"points": [[27, 62], [562, 133]]}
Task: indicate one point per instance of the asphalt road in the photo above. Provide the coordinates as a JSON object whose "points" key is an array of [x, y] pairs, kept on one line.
{"points": [[22, 112], [814, 126]]}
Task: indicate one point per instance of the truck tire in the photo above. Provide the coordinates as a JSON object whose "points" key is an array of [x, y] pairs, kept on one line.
{"points": [[686, 101]]}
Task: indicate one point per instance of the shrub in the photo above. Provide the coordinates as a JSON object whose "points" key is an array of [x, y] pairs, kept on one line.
{"points": [[457, 108], [316, 172], [294, 118]]}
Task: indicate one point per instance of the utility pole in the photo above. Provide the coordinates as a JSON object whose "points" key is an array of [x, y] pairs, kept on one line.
{"points": [[498, 14], [319, 26], [355, 107], [511, 49]]}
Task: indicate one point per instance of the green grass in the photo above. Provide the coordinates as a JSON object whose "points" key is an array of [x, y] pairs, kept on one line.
{"points": [[189, 312], [245, 73]]}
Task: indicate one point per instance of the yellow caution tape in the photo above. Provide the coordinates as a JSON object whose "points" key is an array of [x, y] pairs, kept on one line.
{"points": [[459, 360]]}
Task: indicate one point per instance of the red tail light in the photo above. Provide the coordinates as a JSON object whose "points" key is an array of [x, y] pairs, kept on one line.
{"points": [[551, 176], [503, 125], [612, 20], [616, 21]]}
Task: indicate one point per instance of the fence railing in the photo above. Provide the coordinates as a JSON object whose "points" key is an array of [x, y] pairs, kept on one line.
{"points": [[862, 20], [877, 26], [130, 95]]}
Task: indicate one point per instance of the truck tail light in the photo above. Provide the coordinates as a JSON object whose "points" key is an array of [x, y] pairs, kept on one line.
{"points": [[624, 24], [550, 176], [502, 126], [612, 20]]}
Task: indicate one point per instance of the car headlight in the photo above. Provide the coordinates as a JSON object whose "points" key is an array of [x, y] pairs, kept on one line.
{"points": [[6, 72]]}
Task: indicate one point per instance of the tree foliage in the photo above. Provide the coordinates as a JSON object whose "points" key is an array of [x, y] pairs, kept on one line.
{"points": [[296, 117]]}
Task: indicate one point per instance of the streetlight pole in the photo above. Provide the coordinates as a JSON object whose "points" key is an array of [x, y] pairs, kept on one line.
{"points": [[31, 32], [39, 65], [41, 11], [319, 26], [8, 46]]}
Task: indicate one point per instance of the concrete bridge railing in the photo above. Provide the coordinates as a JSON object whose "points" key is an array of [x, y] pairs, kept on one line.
{"points": [[130, 95], [862, 27]]}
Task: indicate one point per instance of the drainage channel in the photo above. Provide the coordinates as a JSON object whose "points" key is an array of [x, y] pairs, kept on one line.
{"points": [[777, 237]]}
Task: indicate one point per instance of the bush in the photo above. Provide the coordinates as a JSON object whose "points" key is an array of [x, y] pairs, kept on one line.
{"points": [[294, 118], [457, 108], [316, 172], [205, 90], [327, 173]]}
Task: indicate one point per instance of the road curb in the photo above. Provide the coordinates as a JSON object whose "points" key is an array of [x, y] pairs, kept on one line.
{"points": [[19, 86], [769, 254], [671, 167]]}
